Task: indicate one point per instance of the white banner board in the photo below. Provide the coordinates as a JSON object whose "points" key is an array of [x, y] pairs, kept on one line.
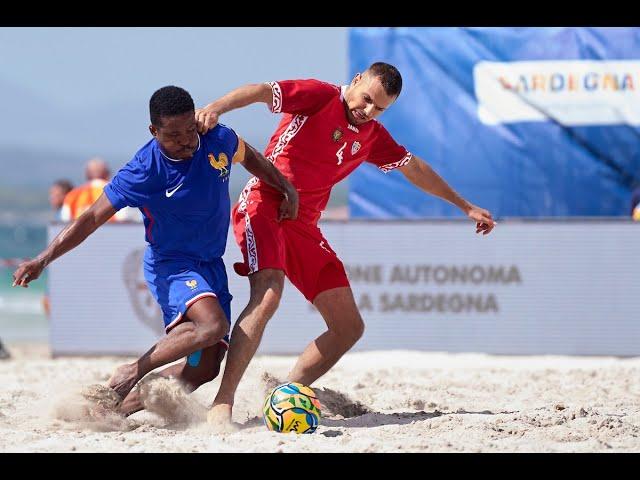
{"points": [[531, 287]]}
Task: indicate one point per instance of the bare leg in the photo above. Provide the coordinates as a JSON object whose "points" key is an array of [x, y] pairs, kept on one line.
{"points": [[191, 377], [266, 290], [205, 325], [345, 327]]}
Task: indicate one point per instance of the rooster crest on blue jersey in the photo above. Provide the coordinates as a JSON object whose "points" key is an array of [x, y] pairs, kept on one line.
{"points": [[291, 407], [219, 163]]}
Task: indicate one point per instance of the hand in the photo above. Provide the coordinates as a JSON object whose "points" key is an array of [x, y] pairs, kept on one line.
{"points": [[289, 205], [27, 272], [484, 220], [206, 119]]}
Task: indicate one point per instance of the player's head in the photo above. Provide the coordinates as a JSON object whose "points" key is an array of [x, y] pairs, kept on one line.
{"points": [[57, 192], [372, 92], [97, 168], [173, 122]]}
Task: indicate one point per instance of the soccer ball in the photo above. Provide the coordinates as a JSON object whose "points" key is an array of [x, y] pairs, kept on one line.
{"points": [[291, 407]]}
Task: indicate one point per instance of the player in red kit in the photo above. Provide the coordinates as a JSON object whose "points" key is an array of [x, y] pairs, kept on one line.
{"points": [[325, 133]]}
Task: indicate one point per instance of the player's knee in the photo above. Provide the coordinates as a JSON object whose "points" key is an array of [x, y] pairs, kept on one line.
{"points": [[351, 332], [212, 332], [356, 330], [266, 288], [268, 279]]}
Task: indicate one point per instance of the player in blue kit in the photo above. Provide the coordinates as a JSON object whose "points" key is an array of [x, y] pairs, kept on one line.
{"points": [[180, 182]]}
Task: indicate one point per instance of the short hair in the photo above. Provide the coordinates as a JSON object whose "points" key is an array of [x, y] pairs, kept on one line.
{"points": [[169, 101], [389, 76], [64, 184]]}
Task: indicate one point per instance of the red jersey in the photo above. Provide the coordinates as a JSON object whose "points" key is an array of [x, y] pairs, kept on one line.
{"points": [[316, 147]]}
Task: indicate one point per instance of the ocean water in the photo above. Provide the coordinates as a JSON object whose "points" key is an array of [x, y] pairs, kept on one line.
{"points": [[22, 313]]}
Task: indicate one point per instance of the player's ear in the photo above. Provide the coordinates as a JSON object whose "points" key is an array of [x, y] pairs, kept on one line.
{"points": [[153, 130], [356, 79]]}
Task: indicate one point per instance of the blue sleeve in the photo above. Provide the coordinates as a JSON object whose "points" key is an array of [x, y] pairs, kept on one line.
{"points": [[227, 138], [132, 185]]}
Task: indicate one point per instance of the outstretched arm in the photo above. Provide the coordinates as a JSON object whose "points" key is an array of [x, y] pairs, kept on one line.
{"points": [[207, 117], [424, 177], [70, 237], [262, 168]]}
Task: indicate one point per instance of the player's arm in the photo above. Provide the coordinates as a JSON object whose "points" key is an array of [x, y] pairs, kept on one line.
{"points": [[70, 237], [258, 165], [424, 177], [207, 117]]}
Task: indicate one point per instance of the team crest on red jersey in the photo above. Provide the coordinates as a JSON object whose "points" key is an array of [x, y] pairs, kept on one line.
{"points": [[337, 134], [355, 147]]}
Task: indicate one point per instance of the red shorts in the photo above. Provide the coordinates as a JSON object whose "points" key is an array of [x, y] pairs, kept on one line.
{"points": [[297, 248]]}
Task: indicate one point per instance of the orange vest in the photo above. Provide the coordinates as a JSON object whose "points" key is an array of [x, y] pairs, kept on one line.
{"points": [[78, 200]]}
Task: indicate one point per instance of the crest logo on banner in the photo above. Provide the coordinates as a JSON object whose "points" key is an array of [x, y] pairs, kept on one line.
{"points": [[144, 305]]}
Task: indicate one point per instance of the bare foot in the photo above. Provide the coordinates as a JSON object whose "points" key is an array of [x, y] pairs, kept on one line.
{"points": [[124, 379], [219, 417]]}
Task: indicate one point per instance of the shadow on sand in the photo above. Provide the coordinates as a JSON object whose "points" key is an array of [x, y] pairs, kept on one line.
{"points": [[377, 419]]}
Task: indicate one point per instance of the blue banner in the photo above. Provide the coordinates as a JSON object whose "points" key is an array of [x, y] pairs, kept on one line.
{"points": [[521, 121]]}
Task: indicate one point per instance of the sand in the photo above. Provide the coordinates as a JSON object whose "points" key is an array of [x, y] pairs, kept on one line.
{"points": [[392, 401]]}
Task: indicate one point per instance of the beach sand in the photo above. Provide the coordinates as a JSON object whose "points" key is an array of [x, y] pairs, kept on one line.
{"points": [[391, 401]]}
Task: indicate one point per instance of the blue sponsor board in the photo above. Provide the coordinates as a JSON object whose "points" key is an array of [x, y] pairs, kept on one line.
{"points": [[522, 121]]}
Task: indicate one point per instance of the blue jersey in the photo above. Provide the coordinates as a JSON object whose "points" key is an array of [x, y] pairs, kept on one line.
{"points": [[185, 203]]}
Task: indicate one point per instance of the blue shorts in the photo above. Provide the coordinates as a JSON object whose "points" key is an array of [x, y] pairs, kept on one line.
{"points": [[178, 284]]}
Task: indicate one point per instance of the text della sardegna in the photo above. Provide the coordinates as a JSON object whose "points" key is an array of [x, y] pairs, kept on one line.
{"points": [[430, 288]]}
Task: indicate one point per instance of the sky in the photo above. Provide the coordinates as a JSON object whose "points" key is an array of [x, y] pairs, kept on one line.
{"points": [[75, 92], [88, 67]]}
